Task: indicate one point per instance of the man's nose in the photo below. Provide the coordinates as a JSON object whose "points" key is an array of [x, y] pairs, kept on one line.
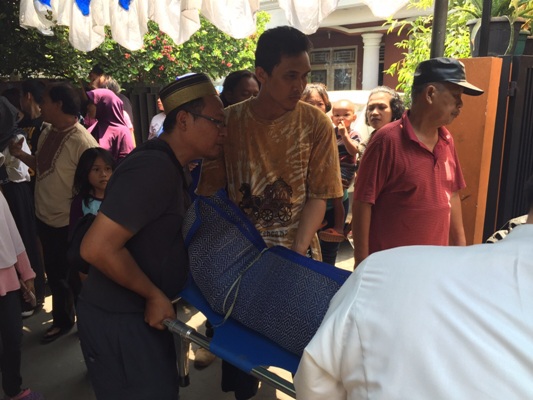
{"points": [[303, 84]]}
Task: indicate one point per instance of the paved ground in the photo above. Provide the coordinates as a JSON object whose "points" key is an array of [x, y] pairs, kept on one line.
{"points": [[57, 369]]}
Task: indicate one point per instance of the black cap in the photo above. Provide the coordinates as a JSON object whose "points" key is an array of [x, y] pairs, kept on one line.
{"points": [[442, 69]]}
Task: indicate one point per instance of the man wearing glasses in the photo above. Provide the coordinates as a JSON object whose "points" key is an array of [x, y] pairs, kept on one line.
{"points": [[137, 251]]}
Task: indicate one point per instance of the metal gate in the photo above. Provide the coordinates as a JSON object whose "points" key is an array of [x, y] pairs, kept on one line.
{"points": [[144, 104], [512, 159]]}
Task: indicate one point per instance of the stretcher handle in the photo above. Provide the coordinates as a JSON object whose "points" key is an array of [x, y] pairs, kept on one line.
{"points": [[186, 332]]}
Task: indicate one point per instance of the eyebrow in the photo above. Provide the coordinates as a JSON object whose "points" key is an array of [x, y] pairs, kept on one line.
{"points": [[293, 71]]}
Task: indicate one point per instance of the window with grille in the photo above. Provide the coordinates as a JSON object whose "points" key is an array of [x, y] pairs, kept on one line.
{"points": [[335, 67]]}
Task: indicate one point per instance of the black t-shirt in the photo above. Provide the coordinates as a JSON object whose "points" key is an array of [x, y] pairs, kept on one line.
{"points": [[147, 195]]}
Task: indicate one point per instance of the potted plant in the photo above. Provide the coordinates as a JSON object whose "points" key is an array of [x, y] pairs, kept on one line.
{"points": [[507, 18]]}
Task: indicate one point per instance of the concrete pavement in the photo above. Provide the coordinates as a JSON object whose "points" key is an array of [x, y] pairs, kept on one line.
{"points": [[58, 371]]}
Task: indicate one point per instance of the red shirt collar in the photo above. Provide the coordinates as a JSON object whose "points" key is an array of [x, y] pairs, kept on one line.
{"points": [[409, 132]]}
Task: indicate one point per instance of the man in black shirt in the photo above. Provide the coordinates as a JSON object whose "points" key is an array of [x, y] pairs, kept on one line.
{"points": [[137, 252]]}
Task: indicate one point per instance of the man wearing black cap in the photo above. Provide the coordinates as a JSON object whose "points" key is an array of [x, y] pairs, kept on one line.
{"points": [[406, 192], [137, 251]]}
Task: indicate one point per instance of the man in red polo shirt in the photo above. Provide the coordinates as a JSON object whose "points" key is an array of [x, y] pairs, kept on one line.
{"points": [[406, 192]]}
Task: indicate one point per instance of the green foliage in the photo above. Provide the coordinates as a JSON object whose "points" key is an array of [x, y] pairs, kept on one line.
{"points": [[159, 61], [514, 10], [509, 8], [418, 42]]}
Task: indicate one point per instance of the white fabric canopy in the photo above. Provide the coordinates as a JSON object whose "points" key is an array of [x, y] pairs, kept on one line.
{"points": [[385, 8], [178, 19]]}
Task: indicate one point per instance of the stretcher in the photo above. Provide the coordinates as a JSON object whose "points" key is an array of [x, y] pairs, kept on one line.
{"points": [[232, 342], [281, 294]]}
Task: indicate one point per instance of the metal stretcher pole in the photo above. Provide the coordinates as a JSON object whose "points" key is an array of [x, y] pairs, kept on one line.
{"points": [[189, 334], [183, 348]]}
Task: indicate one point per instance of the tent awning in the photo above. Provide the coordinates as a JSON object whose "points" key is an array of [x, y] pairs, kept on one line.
{"points": [[179, 19]]}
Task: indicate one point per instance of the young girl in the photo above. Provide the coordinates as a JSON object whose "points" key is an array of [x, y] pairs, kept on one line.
{"points": [[14, 262], [90, 180]]}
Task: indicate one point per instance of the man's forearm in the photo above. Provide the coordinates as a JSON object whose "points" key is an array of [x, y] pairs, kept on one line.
{"points": [[457, 231], [312, 216], [104, 247], [27, 159]]}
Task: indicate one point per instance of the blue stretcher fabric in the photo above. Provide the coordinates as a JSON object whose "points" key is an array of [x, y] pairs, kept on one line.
{"points": [[240, 346], [274, 291]]}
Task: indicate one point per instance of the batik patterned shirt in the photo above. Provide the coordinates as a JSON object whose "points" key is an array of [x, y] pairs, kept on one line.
{"points": [[271, 168]]}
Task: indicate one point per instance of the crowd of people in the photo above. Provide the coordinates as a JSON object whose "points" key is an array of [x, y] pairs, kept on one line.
{"points": [[269, 137]]}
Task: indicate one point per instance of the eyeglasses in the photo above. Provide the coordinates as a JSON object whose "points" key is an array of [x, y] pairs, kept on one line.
{"points": [[218, 123]]}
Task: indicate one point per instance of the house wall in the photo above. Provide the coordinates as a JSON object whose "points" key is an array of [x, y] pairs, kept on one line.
{"points": [[473, 133], [326, 38], [392, 54]]}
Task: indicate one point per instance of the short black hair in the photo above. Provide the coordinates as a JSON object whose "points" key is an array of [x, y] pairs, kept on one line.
{"points": [[277, 42], [97, 69], [35, 87], [193, 106], [232, 80], [81, 183], [69, 97], [416, 90], [396, 102]]}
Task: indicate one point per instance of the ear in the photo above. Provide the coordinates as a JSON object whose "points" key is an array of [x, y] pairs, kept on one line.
{"points": [[261, 74], [431, 90], [182, 119]]}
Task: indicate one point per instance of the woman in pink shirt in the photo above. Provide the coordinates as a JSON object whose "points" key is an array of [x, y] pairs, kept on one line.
{"points": [[13, 263]]}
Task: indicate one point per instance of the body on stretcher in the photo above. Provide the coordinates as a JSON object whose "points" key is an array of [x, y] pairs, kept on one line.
{"points": [[232, 342]]}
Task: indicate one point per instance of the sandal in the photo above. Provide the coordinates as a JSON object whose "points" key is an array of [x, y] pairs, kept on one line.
{"points": [[53, 333], [331, 235]]}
